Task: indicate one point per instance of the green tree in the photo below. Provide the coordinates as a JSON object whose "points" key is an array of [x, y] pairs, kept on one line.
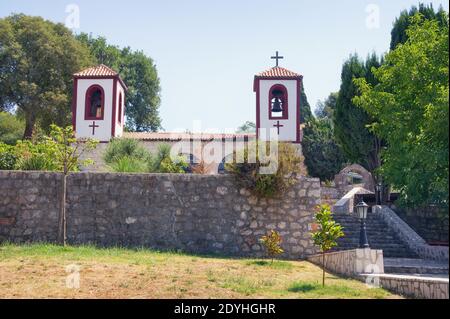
{"points": [[11, 128], [68, 153], [140, 75], [247, 127], [410, 107], [327, 233], [272, 244], [37, 60], [358, 144], [323, 157], [305, 109], [326, 108], [401, 24]]}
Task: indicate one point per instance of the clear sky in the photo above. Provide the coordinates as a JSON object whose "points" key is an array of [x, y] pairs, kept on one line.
{"points": [[208, 51]]}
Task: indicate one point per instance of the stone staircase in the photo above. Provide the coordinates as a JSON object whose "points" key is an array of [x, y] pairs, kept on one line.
{"points": [[379, 235], [399, 259], [418, 267]]}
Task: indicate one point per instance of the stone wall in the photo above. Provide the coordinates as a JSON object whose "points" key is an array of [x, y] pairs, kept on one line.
{"points": [[29, 206], [342, 182], [367, 265], [410, 237], [352, 262], [411, 286], [194, 213], [429, 222], [346, 205], [329, 194]]}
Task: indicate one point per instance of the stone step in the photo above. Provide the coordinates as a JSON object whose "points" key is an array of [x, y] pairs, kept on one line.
{"points": [[387, 244], [380, 236], [415, 266], [389, 253]]}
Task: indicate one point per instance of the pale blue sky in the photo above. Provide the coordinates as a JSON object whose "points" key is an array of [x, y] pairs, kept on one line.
{"points": [[207, 51]]}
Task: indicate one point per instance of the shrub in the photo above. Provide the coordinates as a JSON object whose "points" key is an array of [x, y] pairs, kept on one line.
{"points": [[163, 163], [8, 158], [11, 128], [249, 174], [121, 147], [36, 162], [200, 168], [127, 164], [328, 183], [39, 156], [272, 244]]}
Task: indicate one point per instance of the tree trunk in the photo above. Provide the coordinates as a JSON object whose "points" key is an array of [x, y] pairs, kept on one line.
{"points": [[62, 229], [30, 121], [323, 269]]}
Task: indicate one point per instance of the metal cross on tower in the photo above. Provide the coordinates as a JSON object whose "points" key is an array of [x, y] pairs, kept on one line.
{"points": [[278, 125], [277, 57], [93, 127]]}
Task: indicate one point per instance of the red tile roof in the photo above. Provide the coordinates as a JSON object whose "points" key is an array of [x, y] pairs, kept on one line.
{"points": [[99, 70], [172, 136], [277, 72]]}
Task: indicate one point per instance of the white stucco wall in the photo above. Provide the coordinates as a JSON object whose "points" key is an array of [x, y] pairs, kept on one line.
{"points": [[289, 130], [119, 126], [103, 132]]}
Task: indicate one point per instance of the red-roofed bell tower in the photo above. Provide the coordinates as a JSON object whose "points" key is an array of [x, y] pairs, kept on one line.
{"points": [[98, 103], [278, 103]]}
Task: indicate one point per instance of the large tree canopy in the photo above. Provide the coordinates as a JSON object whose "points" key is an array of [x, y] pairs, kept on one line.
{"points": [[323, 157], [37, 60], [399, 34], [411, 112], [357, 142], [139, 73]]}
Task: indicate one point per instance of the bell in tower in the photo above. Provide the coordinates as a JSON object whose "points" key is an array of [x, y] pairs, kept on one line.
{"points": [[276, 105], [277, 100]]}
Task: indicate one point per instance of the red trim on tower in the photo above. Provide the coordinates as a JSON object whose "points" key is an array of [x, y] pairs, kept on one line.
{"points": [[103, 77], [74, 104], [113, 122], [278, 77], [256, 89], [119, 117], [299, 83], [285, 112], [87, 102], [123, 110]]}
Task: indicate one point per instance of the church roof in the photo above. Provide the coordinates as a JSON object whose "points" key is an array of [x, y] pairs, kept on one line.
{"points": [[173, 136], [278, 72], [99, 70]]}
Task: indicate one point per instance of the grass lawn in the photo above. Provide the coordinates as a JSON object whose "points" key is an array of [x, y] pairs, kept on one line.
{"points": [[39, 271]]}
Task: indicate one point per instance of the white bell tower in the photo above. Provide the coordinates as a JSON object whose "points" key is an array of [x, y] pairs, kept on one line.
{"points": [[278, 103], [98, 103]]}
